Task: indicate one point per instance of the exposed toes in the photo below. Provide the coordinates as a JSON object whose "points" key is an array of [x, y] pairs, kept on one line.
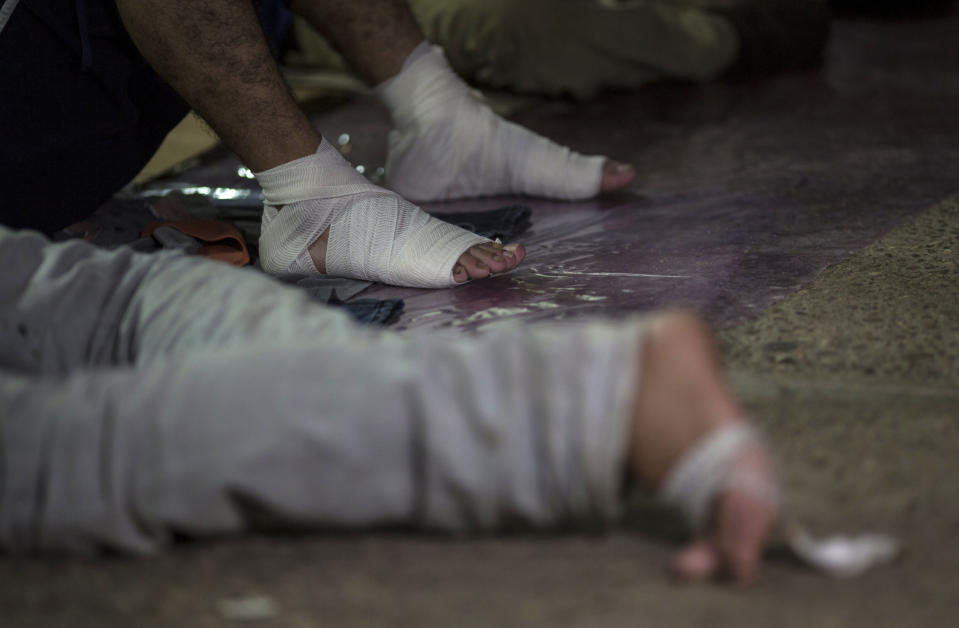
{"points": [[482, 260], [616, 175], [475, 267], [490, 256], [514, 253]]}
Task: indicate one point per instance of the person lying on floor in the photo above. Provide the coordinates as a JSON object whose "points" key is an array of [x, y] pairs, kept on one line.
{"points": [[579, 48], [99, 84], [147, 396]]}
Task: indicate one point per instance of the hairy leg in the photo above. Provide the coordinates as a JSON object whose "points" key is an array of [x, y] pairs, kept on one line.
{"points": [[215, 55], [353, 25]]}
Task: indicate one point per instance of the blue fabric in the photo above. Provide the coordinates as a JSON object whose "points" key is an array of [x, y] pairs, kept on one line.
{"points": [[373, 311], [86, 53], [277, 22]]}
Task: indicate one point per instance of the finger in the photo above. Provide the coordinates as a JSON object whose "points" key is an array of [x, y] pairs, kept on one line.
{"points": [[696, 562], [743, 526]]}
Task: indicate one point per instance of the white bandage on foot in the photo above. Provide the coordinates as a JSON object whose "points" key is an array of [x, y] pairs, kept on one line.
{"points": [[710, 467], [374, 234], [449, 144]]}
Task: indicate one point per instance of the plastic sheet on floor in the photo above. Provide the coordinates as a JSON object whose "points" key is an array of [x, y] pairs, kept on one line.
{"points": [[746, 192]]}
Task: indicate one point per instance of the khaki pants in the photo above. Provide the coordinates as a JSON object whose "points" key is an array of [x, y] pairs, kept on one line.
{"points": [[573, 47]]}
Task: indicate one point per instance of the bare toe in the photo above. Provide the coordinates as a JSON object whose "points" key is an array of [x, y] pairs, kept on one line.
{"points": [[475, 268], [492, 257], [616, 175], [514, 253], [482, 260]]}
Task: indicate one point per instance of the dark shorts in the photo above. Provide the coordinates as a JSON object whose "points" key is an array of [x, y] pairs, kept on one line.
{"points": [[81, 112]]}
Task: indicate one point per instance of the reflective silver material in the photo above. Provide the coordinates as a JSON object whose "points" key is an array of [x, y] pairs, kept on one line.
{"points": [[233, 197]]}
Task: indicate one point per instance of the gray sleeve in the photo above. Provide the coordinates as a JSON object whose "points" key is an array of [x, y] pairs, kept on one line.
{"points": [[323, 425]]}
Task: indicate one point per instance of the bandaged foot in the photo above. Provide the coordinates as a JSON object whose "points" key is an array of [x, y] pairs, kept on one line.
{"points": [[321, 216], [689, 447], [447, 143]]}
